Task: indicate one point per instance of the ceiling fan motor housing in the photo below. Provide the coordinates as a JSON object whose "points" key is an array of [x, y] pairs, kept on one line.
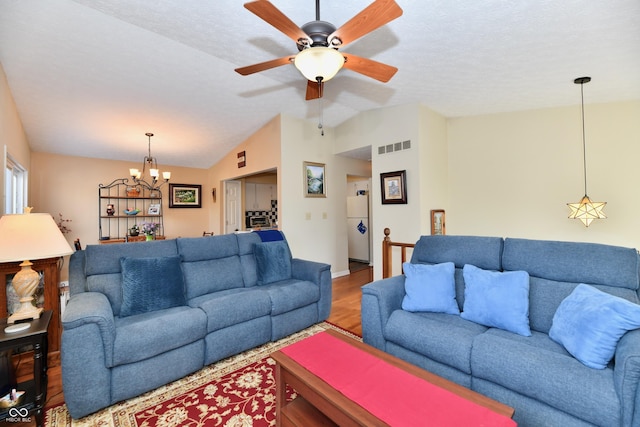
{"points": [[318, 32]]}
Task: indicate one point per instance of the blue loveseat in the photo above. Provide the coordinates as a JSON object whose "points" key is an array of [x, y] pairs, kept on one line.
{"points": [[537, 375], [144, 314]]}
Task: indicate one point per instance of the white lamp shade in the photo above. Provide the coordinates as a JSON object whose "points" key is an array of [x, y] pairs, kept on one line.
{"points": [[31, 236], [323, 62]]}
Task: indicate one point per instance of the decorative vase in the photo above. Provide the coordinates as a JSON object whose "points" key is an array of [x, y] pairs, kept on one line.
{"points": [[149, 237], [133, 232], [110, 209]]}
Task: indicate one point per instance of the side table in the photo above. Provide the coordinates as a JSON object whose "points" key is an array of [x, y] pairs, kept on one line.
{"points": [[36, 389]]}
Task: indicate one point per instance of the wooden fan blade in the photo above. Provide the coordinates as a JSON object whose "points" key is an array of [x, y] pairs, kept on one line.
{"points": [[369, 67], [256, 68], [370, 18], [272, 15], [314, 90]]}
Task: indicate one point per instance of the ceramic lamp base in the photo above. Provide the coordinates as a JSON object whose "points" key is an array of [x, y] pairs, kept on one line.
{"points": [[25, 283]]}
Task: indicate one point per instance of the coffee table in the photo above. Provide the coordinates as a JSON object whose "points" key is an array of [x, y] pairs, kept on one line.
{"points": [[320, 404]]}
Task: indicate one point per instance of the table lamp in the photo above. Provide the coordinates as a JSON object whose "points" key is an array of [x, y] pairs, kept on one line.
{"points": [[25, 237]]}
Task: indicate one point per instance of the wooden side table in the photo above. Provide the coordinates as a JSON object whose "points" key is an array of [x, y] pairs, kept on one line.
{"points": [[36, 389], [50, 269]]}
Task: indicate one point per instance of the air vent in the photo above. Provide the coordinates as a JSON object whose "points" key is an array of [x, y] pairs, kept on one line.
{"points": [[396, 146]]}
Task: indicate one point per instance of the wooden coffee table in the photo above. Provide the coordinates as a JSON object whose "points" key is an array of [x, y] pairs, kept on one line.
{"points": [[319, 404]]}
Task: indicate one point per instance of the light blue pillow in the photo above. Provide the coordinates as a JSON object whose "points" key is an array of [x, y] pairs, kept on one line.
{"points": [[589, 323], [430, 288], [273, 260], [497, 299], [150, 284]]}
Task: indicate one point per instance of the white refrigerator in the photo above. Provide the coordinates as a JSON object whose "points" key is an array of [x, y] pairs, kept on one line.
{"points": [[358, 227]]}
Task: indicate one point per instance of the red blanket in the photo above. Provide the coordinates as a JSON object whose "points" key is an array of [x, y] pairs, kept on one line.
{"points": [[390, 393]]}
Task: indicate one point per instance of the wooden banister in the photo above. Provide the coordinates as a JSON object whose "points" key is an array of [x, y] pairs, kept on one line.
{"points": [[387, 254]]}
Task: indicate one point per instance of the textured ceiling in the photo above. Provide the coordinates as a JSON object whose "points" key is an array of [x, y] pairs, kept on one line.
{"points": [[90, 77]]}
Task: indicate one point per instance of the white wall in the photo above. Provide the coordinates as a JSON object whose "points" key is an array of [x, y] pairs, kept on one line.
{"points": [[512, 174], [316, 228]]}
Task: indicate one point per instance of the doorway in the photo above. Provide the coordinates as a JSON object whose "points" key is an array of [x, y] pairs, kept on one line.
{"points": [[232, 206]]}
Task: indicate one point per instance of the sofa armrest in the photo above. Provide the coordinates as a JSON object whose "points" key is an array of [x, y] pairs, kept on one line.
{"points": [[88, 333], [91, 308], [320, 274], [626, 377], [379, 300]]}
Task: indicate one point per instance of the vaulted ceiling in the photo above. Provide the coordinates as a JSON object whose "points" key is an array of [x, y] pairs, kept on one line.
{"points": [[90, 77]]}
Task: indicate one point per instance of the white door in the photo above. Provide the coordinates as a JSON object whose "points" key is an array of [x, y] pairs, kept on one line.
{"points": [[232, 206]]}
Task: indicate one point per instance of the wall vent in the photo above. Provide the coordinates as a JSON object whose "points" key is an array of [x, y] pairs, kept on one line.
{"points": [[396, 146]]}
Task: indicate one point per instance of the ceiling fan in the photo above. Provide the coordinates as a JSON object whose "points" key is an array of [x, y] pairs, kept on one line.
{"points": [[318, 42]]}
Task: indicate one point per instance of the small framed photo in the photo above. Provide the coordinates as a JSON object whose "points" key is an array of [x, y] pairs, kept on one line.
{"points": [[315, 183], [437, 222], [394, 187], [185, 196], [154, 209]]}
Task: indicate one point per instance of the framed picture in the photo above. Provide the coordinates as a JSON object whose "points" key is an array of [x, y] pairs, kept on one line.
{"points": [[154, 209], [185, 196], [437, 222], [394, 188], [315, 183]]}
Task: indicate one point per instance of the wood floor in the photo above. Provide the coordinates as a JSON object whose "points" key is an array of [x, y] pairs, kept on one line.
{"points": [[345, 313]]}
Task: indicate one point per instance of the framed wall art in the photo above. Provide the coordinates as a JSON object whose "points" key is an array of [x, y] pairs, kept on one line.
{"points": [[437, 222], [394, 188], [185, 196], [315, 183]]}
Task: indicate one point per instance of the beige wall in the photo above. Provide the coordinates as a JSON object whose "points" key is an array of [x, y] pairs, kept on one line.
{"points": [[512, 174], [68, 185], [262, 150], [12, 137]]}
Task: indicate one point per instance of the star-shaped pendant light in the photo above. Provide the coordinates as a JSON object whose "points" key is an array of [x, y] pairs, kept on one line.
{"points": [[586, 210]]}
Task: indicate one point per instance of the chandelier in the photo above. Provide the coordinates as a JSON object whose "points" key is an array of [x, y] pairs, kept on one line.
{"points": [[585, 210], [150, 163]]}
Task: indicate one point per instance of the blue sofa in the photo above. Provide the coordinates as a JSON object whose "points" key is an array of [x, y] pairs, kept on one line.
{"points": [[144, 314], [535, 374]]}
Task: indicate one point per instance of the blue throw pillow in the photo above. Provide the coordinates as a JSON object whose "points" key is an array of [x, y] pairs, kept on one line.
{"points": [[273, 260], [497, 299], [589, 323], [430, 288], [150, 284]]}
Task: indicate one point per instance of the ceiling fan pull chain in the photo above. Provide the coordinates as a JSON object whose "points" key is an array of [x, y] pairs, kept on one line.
{"points": [[321, 119]]}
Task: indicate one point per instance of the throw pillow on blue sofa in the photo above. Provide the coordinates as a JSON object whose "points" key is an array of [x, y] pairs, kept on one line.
{"points": [[589, 323], [273, 260], [430, 288], [150, 284], [497, 299]]}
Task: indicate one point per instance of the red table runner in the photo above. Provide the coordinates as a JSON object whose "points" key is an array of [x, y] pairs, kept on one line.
{"points": [[391, 394]]}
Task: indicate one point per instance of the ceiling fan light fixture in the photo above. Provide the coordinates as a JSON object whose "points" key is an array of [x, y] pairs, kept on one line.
{"points": [[319, 62]]}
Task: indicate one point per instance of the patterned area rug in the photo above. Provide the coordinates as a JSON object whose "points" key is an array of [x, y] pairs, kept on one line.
{"points": [[235, 392]]}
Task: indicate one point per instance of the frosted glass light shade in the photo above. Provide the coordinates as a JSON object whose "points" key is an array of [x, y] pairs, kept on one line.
{"points": [[319, 62], [586, 211]]}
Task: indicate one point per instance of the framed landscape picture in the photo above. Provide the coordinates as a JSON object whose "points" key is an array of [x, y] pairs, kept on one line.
{"points": [[315, 184], [394, 187], [185, 196]]}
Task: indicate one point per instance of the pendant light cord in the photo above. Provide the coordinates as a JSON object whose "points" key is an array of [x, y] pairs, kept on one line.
{"points": [[584, 144]]}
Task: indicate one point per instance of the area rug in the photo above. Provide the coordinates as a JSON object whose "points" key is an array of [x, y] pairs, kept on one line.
{"points": [[235, 392]]}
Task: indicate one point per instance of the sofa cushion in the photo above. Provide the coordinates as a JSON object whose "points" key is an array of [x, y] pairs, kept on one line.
{"points": [[589, 323], [483, 252], [541, 369], [232, 307], [150, 284], [446, 338], [289, 295], [497, 299], [430, 288], [273, 260], [146, 335]]}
